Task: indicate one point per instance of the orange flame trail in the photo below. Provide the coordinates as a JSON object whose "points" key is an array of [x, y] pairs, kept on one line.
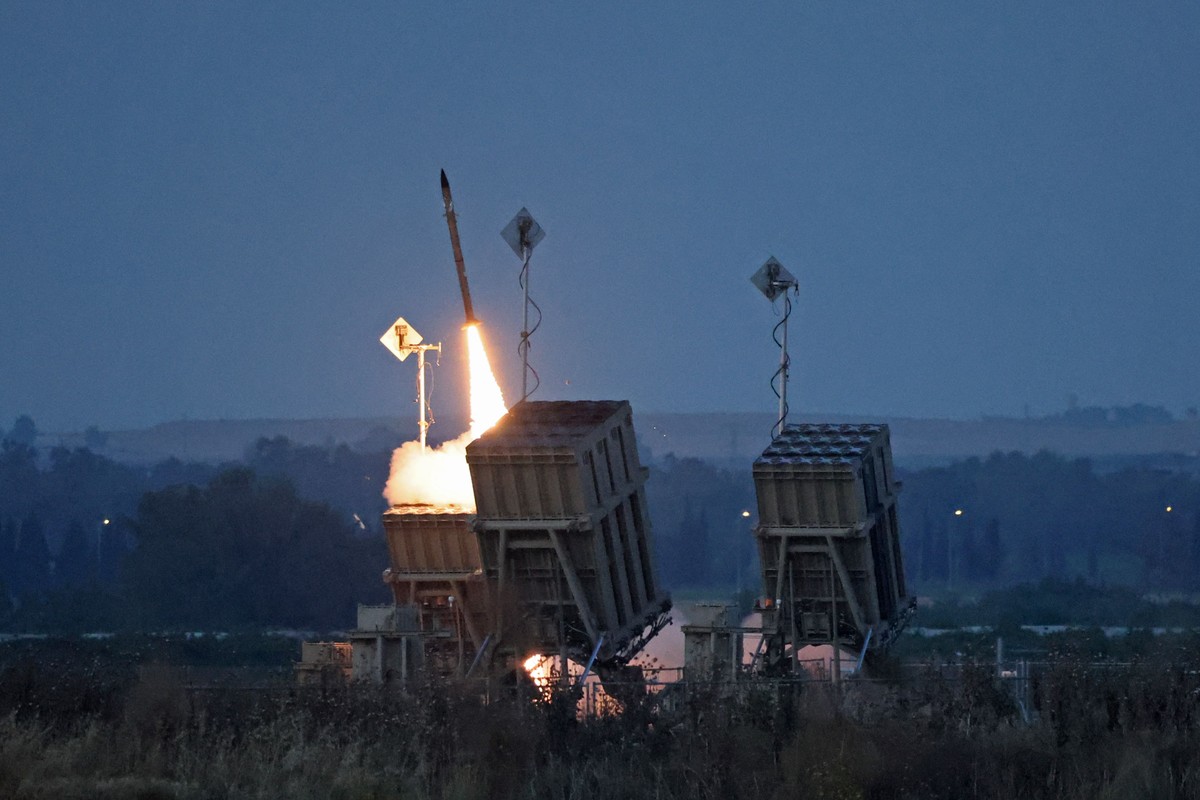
{"points": [[487, 401]]}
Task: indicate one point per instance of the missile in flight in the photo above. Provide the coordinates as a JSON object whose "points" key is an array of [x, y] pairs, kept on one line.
{"points": [[458, 257]]}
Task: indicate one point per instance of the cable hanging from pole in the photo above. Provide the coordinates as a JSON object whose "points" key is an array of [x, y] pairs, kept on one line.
{"points": [[774, 281], [524, 345], [778, 380], [429, 387], [523, 234]]}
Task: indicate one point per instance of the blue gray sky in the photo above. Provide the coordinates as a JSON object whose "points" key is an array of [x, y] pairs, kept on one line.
{"points": [[212, 210]]}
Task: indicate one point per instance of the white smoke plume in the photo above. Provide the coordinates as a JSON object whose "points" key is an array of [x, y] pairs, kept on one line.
{"points": [[440, 476], [433, 476]]}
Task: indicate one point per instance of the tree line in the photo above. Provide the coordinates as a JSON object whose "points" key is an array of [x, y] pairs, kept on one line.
{"points": [[973, 525], [1012, 518], [88, 543], [290, 534]]}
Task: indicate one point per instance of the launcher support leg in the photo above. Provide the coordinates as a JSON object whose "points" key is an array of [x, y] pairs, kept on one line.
{"points": [[591, 660], [502, 570], [863, 654], [479, 655], [581, 601], [465, 610], [847, 587]]}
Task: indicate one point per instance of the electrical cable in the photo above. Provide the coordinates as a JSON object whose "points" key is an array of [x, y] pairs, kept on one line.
{"points": [[785, 362], [524, 345], [429, 388]]}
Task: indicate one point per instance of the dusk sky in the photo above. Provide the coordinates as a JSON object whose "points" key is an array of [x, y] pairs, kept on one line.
{"points": [[213, 210]]}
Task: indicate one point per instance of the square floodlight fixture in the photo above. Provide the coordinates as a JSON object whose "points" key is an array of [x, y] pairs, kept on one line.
{"points": [[400, 338], [523, 233], [772, 279]]}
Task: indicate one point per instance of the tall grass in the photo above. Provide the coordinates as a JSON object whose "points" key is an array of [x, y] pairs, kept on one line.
{"points": [[1127, 732]]}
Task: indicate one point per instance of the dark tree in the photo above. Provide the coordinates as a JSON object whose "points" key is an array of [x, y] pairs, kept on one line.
{"points": [[113, 545], [911, 551], [703, 557], [31, 559], [246, 551], [94, 438], [689, 497], [24, 431], [966, 551], [1056, 562], [1142, 414], [1052, 510], [76, 562], [334, 474], [8, 548], [20, 481], [1194, 565], [991, 551], [935, 551], [686, 566]]}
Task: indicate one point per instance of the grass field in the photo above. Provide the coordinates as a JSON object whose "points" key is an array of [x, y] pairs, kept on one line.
{"points": [[78, 725]]}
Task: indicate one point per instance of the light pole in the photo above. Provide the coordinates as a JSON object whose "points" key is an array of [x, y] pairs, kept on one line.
{"points": [[104, 523], [742, 519], [958, 513]]}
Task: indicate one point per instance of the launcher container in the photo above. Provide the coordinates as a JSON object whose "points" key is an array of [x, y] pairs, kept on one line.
{"points": [[829, 538], [565, 540]]}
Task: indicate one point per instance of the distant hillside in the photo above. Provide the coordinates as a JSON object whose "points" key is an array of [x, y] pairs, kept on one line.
{"points": [[225, 440], [727, 438], [920, 442]]}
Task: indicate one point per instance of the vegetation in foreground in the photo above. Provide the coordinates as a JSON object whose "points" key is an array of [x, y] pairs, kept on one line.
{"points": [[76, 729]]}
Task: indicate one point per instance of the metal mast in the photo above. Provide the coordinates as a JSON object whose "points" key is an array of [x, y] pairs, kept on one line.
{"points": [[523, 234], [774, 281], [403, 340]]}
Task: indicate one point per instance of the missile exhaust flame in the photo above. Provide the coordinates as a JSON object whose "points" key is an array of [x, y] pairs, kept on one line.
{"points": [[538, 668], [487, 401], [440, 476]]}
